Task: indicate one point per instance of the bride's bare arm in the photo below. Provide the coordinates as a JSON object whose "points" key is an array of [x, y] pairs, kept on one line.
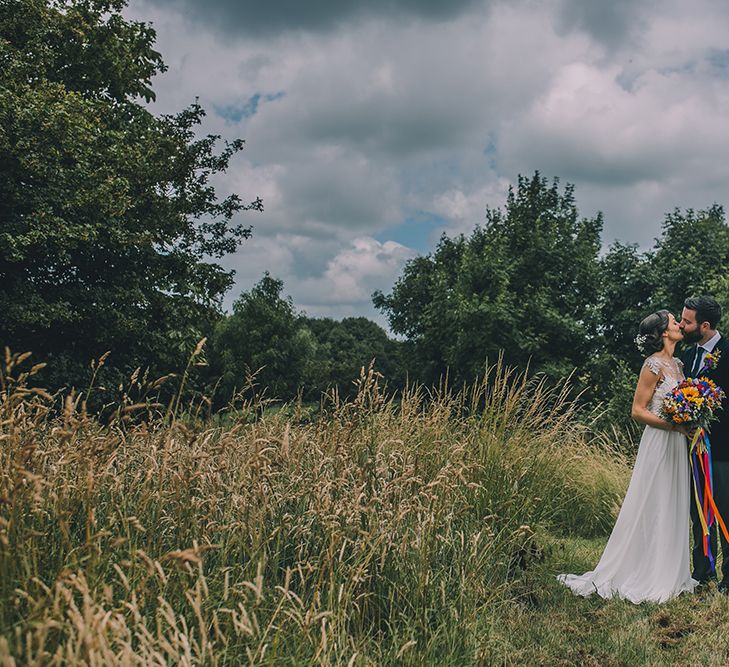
{"points": [[647, 382]]}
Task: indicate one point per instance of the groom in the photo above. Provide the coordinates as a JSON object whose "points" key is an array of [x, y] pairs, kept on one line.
{"points": [[699, 319]]}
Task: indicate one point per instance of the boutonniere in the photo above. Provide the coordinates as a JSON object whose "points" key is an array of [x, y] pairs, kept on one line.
{"points": [[711, 360]]}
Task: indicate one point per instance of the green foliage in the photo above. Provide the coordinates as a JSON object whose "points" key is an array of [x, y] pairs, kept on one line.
{"points": [[263, 337], [344, 347], [108, 216], [691, 255], [288, 353], [527, 283], [719, 286], [627, 295], [531, 282], [424, 307]]}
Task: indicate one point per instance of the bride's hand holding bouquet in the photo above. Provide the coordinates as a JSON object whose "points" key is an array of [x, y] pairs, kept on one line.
{"points": [[692, 404]]}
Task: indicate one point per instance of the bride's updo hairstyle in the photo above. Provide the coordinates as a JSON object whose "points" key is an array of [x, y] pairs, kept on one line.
{"points": [[650, 332]]}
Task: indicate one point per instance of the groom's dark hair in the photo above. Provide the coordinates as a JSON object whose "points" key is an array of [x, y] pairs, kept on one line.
{"points": [[706, 307]]}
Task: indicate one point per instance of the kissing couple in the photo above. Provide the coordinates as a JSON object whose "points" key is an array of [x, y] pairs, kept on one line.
{"points": [[647, 555]]}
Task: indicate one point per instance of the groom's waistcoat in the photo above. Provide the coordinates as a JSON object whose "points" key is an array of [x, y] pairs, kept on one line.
{"points": [[718, 430]]}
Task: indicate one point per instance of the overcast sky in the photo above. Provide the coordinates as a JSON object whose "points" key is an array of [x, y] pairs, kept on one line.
{"points": [[372, 127]]}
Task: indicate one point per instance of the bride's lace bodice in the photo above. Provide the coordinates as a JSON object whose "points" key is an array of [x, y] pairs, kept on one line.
{"points": [[671, 372]]}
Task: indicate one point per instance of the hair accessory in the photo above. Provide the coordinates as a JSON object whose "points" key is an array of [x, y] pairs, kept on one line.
{"points": [[640, 341]]}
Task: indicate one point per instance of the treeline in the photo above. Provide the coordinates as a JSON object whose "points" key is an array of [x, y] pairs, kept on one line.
{"points": [[111, 232], [289, 354], [532, 285]]}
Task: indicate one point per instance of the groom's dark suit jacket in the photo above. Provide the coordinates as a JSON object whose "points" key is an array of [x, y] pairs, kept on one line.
{"points": [[718, 430]]}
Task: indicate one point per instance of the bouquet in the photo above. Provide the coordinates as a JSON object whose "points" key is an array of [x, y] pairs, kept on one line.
{"points": [[693, 403]]}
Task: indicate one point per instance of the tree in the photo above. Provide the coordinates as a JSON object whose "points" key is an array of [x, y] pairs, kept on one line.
{"points": [[109, 223], [422, 307], [691, 255], [526, 284], [719, 287], [344, 347], [628, 294], [265, 336]]}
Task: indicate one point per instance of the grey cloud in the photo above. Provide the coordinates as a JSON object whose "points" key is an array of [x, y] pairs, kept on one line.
{"points": [[352, 130], [397, 97], [395, 129], [634, 212], [256, 17], [611, 22], [354, 195], [568, 159]]}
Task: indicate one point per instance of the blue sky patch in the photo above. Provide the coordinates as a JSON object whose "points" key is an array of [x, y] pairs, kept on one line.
{"points": [[719, 61], [419, 232], [235, 113]]}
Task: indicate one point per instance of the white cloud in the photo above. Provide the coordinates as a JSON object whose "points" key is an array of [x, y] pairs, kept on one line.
{"points": [[589, 126], [463, 209], [345, 289], [357, 271], [634, 153], [345, 286], [364, 122]]}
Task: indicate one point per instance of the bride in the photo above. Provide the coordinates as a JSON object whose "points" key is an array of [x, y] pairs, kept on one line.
{"points": [[647, 555]]}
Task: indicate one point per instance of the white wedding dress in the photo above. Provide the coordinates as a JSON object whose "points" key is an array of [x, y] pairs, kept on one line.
{"points": [[647, 555]]}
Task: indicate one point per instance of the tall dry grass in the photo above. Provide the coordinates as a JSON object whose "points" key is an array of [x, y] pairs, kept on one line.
{"points": [[383, 532]]}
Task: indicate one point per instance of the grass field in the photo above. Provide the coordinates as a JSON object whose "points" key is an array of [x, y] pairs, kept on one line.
{"points": [[426, 530], [554, 627]]}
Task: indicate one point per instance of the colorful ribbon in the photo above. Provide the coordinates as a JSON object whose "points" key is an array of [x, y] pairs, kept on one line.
{"points": [[700, 451]]}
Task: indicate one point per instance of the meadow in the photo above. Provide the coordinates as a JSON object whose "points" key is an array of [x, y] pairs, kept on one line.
{"points": [[425, 528]]}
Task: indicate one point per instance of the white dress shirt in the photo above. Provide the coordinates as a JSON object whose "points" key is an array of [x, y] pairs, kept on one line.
{"points": [[708, 346]]}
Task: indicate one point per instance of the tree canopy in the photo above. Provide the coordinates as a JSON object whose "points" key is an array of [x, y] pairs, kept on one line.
{"points": [[110, 224], [290, 353], [525, 283], [263, 337], [532, 283]]}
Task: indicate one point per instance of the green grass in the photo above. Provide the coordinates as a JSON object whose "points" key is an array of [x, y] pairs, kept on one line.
{"points": [[549, 625]]}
